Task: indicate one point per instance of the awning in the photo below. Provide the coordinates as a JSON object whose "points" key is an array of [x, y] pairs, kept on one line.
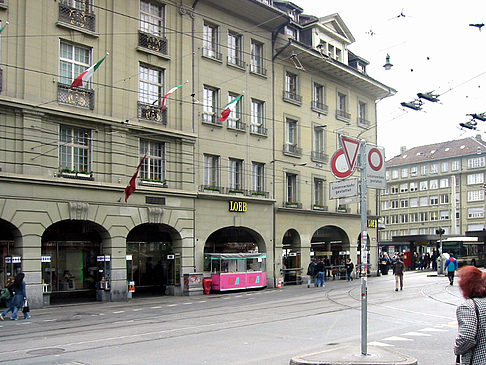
{"points": [[242, 255]]}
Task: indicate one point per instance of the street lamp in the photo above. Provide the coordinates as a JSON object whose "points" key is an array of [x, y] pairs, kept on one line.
{"points": [[440, 232]]}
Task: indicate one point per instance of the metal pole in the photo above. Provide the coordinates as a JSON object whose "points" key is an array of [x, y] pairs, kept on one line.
{"points": [[364, 250]]}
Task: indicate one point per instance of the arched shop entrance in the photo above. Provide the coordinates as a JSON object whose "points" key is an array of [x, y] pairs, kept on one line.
{"points": [[291, 259], [11, 260], [70, 265], [152, 263], [331, 241], [233, 240]]}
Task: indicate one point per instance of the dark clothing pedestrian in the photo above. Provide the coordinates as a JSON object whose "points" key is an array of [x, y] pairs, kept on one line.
{"points": [[349, 269], [321, 277], [311, 273], [17, 301], [398, 270]]}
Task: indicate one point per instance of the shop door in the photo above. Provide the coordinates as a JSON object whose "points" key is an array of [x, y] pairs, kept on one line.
{"points": [[151, 267]]}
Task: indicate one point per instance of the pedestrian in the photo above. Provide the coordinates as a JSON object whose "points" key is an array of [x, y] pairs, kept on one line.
{"points": [[311, 272], [434, 259], [327, 266], [398, 270], [349, 269], [320, 274], [17, 301], [451, 267], [470, 343], [7, 292]]}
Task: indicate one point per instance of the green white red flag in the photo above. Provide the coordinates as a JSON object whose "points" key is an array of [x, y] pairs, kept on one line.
{"points": [[131, 187], [168, 94], [83, 79], [230, 107]]}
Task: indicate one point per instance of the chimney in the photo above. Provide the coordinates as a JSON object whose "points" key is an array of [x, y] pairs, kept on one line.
{"points": [[403, 149]]}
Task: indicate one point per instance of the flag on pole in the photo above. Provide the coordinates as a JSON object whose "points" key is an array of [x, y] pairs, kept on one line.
{"points": [[82, 79], [131, 187], [2, 28], [168, 94], [229, 108]]}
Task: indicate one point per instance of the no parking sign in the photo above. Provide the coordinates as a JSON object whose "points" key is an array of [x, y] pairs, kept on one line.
{"points": [[375, 167]]}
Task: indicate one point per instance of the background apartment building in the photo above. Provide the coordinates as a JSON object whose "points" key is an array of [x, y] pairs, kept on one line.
{"points": [[430, 187], [67, 154]]}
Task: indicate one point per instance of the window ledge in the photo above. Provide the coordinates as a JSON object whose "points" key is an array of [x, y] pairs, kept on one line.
{"points": [[149, 51], [79, 29]]}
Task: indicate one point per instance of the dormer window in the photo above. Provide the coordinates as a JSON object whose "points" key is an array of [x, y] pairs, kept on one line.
{"points": [[291, 32]]}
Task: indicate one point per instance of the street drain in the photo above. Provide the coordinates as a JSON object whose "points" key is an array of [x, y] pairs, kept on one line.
{"points": [[46, 351], [333, 343]]}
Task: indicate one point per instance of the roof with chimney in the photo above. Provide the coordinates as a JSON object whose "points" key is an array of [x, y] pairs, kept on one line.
{"points": [[439, 151]]}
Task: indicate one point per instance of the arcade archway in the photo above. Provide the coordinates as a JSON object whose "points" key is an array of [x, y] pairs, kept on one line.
{"points": [[331, 241]]}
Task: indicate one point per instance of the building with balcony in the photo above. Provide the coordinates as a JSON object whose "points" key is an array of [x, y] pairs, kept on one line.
{"points": [[254, 182], [431, 187]]}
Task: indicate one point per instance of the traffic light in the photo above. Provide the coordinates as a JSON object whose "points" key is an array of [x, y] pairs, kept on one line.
{"points": [[440, 231]]}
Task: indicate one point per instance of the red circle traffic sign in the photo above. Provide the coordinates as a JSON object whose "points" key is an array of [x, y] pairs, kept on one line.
{"points": [[339, 165], [375, 159]]}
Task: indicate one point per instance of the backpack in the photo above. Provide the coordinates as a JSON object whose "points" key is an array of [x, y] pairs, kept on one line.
{"points": [[452, 265], [5, 294]]}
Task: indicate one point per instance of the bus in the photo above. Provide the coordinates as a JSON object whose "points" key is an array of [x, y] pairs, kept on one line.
{"points": [[467, 250]]}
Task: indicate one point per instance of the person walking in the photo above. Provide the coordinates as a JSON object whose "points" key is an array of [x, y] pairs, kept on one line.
{"points": [[398, 270], [311, 272], [470, 343], [321, 275], [17, 301], [349, 269], [451, 267]]}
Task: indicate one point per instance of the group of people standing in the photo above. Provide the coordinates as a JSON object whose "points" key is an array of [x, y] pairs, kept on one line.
{"points": [[316, 271], [18, 297]]}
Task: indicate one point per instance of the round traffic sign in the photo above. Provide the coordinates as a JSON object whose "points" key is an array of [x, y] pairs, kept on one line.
{"points": [[375, 159], [339, 165]]}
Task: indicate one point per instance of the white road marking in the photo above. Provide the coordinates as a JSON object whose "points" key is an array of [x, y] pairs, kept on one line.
{"points": [[157, 307], [171, 305], [381, 344], [118, 312], [137, 309], [416, 334], [49, 320], [187, 303], [202, 301], [430, 329], [397, 338]]}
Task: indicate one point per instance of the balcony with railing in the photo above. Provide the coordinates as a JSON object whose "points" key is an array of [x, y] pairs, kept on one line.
{"points": [[319, 156], [153, 43], [292, 149], [343, 115], [211, 53], [236, 61], [236, 123], [78, 18], [84, 98], [364, 123], [258, 70], [292, 97], [319, 107], [152, 113], [258, 129]]}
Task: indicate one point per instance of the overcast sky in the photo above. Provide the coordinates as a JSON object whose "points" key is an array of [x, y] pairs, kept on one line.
{"points": [[432, 48]]}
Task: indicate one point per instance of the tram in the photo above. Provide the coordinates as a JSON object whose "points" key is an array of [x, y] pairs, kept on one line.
{"points": [[467, 250]]}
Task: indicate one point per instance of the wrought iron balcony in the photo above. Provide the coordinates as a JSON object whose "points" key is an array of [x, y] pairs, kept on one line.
{"points": [[292, 96], [153, 43], [319, 107], [152, 113], [236, 124], [211, 53], [236, 61], [210, 118], [76, 17], [341, 114], [292, 149], [258, 129], [363, 122], [83, 98], [258, 69], [320, 156]]}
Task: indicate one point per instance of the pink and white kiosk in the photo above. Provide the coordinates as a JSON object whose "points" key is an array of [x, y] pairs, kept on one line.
{"points": [[234, 271]]}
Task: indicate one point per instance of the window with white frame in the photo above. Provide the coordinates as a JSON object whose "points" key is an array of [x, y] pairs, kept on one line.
{"points": [[387, 175], [211, 170], [150, 84], [424, 201], [235, 174], [234, 120], [319, 97], [414, 217], [339, 55], [74, 149], [258, 176], [210, 104], [423, 185], [475, 195], [455, 165], [403, 203], [444, 183], [475, 212], [257, 116], [413, 186], [342, 102], [475, 227], [413, 171], [403, 188], [152, 18], [319, 192], [83, 5], [394, 219], [385, 205], [444, 198], [424, 170], [403, 218], [404, 173], [210, 40], [291, 181], [153, 167], [394, 189], [394, 174], [291, 140], [362, 113], [394, 204], [475, 178], [413, 202], [423, 217], [414, 231], [73, 61], [291, 86], [434, 200], [444, 166], [319, 146], [434, 215], [434, 168], [256, 57], [475, 162], [433, 184], [444, 214], [235, 42]]}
